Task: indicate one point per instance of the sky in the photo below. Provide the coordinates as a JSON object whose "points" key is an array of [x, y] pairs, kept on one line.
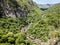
{"points": [[47, 1]]}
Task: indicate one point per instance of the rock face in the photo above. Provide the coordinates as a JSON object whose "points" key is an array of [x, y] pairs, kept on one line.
{"points": [[16, 8], [10, 8], [1, 9]]}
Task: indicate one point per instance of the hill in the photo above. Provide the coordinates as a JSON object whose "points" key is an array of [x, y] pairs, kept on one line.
{"points": [[44, 6], [14, 15], [23, 23], [17, 8], [48, 26]]}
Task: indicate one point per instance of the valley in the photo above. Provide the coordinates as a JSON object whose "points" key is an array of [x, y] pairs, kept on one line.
{"points": [[23, 22]]}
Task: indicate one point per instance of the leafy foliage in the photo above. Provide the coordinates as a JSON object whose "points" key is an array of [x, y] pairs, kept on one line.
{"points": [[48, 26], [42, 26], [11, 24], [10, 33]]}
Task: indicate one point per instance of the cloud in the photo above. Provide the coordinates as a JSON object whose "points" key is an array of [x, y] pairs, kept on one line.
{"points": [[47, 1]]}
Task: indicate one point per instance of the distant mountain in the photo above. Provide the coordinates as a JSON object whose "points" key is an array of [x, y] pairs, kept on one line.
{"points": [[44, 6], [55, 8]]}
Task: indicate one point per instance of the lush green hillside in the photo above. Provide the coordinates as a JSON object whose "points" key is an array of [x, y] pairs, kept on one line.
{"points": [[48, 26], [18, 8], [10, 33], [53, 14], [19, 14]]}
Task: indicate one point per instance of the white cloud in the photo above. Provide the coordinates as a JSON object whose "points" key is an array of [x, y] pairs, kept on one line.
{"points": [[47, 1]]}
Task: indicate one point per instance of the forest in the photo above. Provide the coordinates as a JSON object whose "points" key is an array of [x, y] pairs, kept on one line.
{"points": [[22, 22]]}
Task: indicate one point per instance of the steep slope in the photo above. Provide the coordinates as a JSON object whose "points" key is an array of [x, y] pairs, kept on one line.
{"points": [[53, 14], [18, 8], [48, 26], [21, 12]]}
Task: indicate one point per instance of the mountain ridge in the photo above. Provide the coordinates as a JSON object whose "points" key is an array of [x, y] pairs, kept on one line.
{"points": [[17, 8]]}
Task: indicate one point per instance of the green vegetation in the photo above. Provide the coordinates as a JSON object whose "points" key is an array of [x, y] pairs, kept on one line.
{"points": [[11, 24], [41, 25], [32, 17], [10, 33], [48, 26]]}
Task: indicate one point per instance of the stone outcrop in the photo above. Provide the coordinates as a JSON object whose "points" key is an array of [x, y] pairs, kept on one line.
{"points": [[16, 8]]}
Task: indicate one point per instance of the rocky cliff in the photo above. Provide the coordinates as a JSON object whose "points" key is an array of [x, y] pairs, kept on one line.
{"points": [[16, 8]]}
